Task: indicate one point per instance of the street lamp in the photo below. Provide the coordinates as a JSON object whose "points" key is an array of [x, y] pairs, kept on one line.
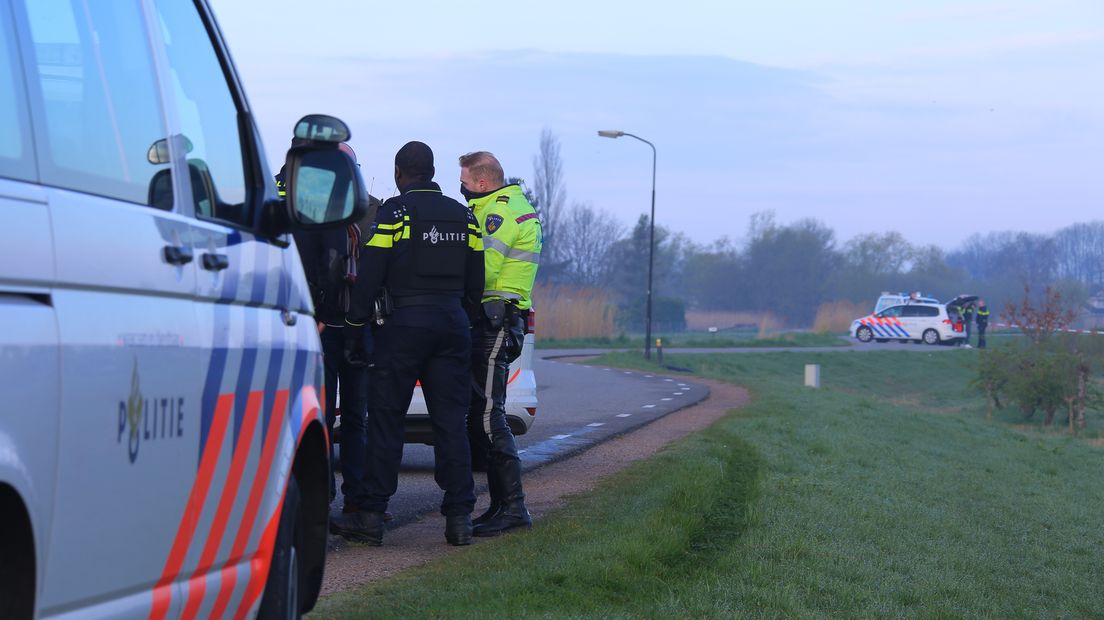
{"points": [[613, 133]]}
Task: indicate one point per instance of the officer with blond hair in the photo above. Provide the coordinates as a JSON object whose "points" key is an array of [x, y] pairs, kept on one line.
{"points": [[512, 241]]}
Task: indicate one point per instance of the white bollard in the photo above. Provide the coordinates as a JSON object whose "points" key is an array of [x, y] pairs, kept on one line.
{"points": [[812, 375]]}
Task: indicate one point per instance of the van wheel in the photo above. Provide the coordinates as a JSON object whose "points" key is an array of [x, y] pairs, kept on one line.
{"points": [[864, 334], [281, 594], [931, 336]]}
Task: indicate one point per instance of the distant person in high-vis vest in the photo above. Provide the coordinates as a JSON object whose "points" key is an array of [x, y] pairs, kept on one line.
{"points": [[512, 240], [982, 322]]}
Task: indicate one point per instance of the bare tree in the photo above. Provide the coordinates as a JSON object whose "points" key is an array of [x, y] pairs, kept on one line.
{"points": [[549, 189], [1080, 249], [587, 249], [879, 253]]}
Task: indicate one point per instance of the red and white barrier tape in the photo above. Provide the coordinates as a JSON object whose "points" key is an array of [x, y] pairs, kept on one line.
{"points": [[1068, 331]]}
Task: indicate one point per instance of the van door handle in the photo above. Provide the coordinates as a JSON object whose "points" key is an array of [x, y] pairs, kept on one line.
{"points": [[215, 262], [177, 254], [288, 317]]}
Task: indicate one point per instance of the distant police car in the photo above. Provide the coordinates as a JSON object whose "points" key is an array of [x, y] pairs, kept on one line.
{"points": [[921, 320], [162, 451], [888, 299]]}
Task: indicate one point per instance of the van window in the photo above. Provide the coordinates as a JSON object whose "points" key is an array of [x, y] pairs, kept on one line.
{"points": [[15, 150], [97, 112], [927, 311], [208, 114]]}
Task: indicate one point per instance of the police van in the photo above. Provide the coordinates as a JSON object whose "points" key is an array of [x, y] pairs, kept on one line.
{"points": [[162, 449]]}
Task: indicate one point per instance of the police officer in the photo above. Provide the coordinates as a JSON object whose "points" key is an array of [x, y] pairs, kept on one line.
{"points": [[512, 239], [426, 256], [330, 260], [982, 322], [968, 318]]}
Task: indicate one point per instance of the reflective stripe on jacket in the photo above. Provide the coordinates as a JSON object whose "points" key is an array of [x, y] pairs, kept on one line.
{"points": [[512, 241]]}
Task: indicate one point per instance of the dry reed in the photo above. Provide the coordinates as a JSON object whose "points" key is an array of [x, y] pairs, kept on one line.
{"points": [[568, 312], [836, 316]]}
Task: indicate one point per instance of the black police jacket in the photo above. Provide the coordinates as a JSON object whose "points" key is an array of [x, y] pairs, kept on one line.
{"points": [[423, 245]]}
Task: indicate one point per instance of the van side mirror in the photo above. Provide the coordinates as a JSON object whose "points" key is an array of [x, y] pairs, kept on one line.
{"points": [[324, 186]]}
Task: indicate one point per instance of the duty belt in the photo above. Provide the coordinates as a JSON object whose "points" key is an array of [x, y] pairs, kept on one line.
{"points": [[426, 300]]}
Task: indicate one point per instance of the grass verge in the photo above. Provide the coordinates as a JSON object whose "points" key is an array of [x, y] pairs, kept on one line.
{"points": [[700, 340], [884, 494]]}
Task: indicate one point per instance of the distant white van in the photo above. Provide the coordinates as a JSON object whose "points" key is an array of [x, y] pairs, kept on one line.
{"points": [[162, 449], [900, 299]]}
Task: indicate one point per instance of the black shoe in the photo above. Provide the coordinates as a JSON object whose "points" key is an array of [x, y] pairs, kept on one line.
{"points": [[493, 510], [349, 508], [512, 516], [364, 527], [458, 530]]}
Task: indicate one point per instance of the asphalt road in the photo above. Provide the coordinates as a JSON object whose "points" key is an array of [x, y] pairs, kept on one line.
{"points": [[579, 406]]}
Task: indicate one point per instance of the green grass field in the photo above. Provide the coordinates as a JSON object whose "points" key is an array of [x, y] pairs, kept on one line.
{"points": [[746, 339], [884, 494]]}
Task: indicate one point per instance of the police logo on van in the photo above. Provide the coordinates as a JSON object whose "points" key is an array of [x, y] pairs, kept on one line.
{"points": [[144, 419]]}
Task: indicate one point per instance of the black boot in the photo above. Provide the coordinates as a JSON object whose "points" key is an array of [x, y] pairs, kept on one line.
{"points": [[492, 510], [365, 527], [458, 530], [513, 513], [494, 489]]}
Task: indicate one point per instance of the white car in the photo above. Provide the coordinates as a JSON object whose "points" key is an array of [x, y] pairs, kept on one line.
{"points": [[888, 299], [917, 321], [521, 397]]}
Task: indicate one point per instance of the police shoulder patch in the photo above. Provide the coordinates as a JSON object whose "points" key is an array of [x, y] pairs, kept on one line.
{"points": [[494, 222], [503, 199]]}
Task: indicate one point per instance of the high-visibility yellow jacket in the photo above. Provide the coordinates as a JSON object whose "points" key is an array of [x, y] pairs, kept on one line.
{"points": [[512, 241]]}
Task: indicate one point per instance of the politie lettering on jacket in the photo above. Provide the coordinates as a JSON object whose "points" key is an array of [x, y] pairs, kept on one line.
{"points": [[434, 236], [148, 419]]}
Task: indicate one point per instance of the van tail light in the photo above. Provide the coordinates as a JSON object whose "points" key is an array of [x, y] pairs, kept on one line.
{"points": [[531, 323], [532, 411]]}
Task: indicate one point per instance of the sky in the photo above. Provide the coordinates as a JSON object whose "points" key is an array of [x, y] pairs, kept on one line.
{"points": [[935, 118]]}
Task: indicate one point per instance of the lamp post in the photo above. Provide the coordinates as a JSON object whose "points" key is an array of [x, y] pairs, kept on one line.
{"points": [[613, 133]]}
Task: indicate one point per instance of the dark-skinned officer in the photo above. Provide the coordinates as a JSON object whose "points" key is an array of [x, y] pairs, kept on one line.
{"points": [[426, 252]]}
